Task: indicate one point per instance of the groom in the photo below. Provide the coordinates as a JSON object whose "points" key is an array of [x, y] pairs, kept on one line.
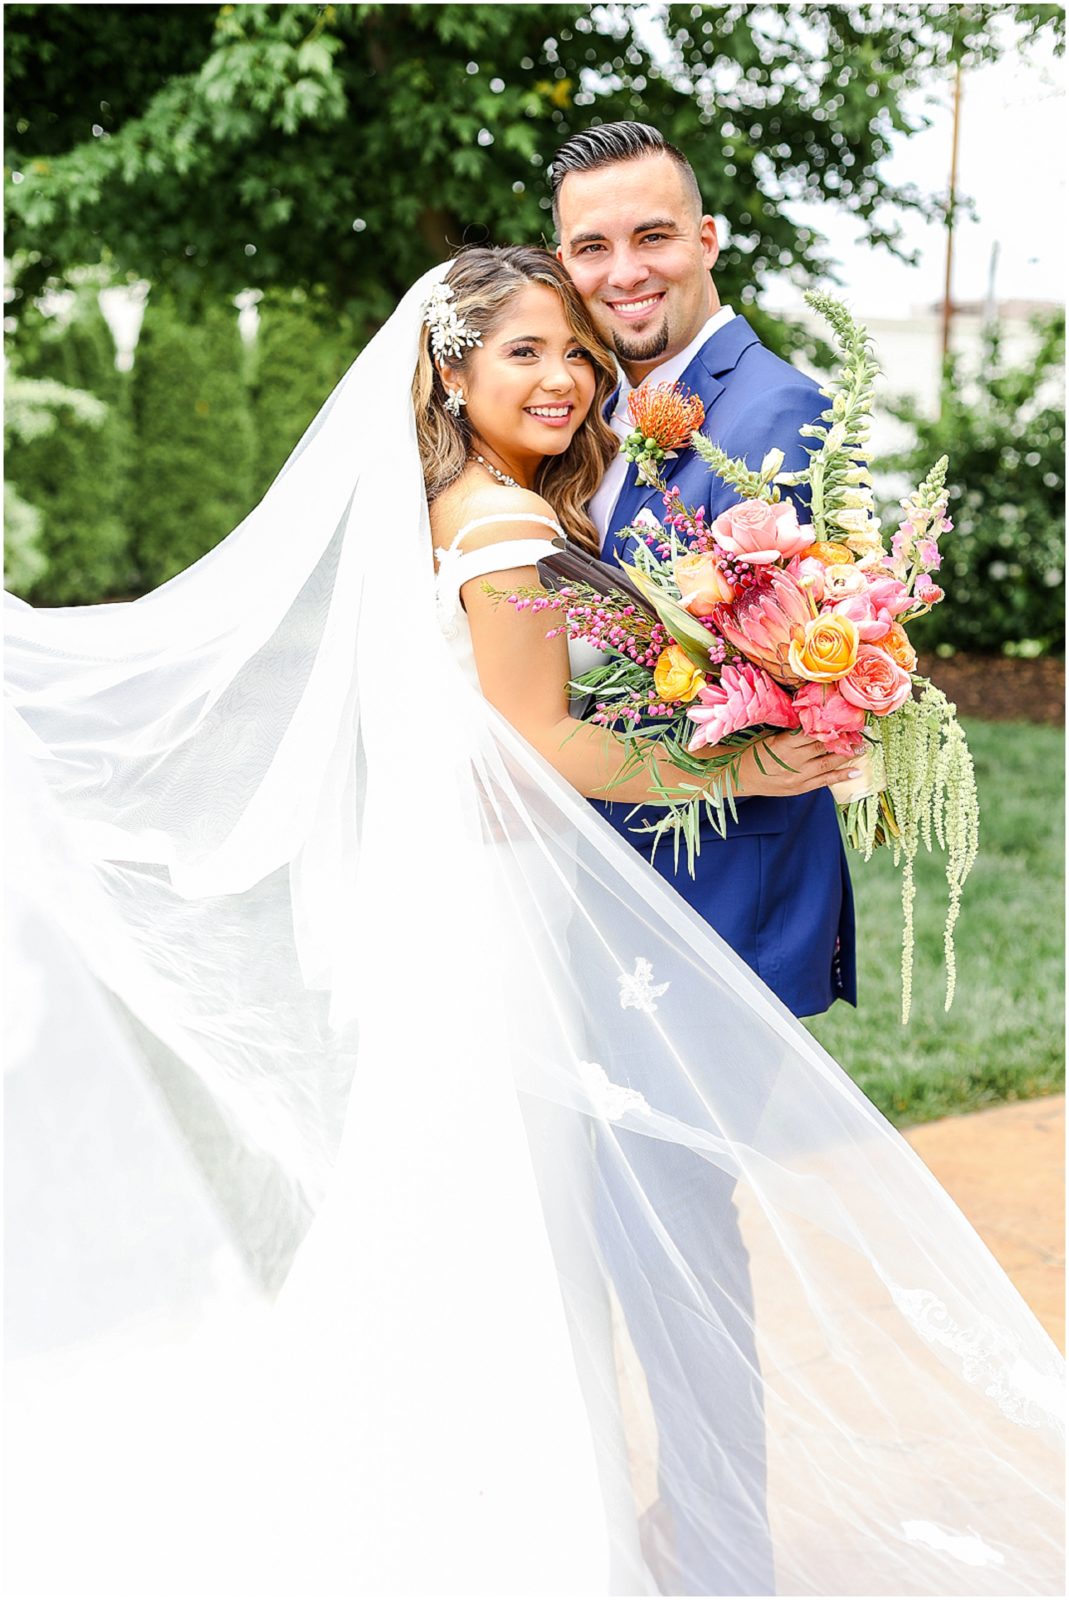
{"points": [[639, 247]]}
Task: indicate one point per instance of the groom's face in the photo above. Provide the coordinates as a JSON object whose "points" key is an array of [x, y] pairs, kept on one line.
{"points": [[639, 251]]}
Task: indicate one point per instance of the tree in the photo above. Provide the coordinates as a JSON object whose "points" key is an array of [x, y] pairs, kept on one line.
{"points": [[1004, 431], [343, 149], [194, 473], [75, 472]]}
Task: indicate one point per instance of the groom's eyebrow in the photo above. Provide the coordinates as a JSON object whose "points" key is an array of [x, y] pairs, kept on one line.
{"points": [[594, 237]]}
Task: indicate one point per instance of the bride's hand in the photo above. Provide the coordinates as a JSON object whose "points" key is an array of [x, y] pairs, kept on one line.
{"points": [[808, 765]]}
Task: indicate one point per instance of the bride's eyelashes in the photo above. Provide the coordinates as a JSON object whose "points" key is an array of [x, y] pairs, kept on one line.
{"points": [[529, 350]]}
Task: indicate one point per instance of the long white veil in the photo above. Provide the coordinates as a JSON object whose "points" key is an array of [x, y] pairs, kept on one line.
{"points": [[407, 1192]]}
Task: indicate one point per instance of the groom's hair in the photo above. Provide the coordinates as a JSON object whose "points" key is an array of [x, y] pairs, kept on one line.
{"points": [[609, 143]]}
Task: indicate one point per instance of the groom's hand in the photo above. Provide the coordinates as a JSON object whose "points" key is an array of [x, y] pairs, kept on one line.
{"points": [[808, 765]]}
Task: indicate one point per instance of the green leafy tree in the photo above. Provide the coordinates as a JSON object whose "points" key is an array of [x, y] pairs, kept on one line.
{"points": [[345, 148], [298, 357], [195, 466], [74, 473], [1003, 428]]}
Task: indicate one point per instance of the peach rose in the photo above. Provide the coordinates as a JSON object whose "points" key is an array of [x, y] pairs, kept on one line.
{"points": [[702, 584], [675, 676], [896, 642], [876, 683], [825, 649], [758, 532]]}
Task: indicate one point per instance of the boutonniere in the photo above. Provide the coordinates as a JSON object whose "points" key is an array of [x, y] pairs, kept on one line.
{"points": [[665, 416]]}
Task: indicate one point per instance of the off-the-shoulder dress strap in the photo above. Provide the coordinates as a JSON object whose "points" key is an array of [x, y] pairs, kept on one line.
{"points": [[508, 516], [457, 567]]}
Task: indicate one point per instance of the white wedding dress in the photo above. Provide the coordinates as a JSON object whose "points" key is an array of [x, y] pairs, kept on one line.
{"points": [[407, 1192]]}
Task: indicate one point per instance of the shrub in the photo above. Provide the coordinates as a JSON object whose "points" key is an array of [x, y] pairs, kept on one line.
{"points": [[70, 468], [297, 359], [1003, 564], [194, 474]]}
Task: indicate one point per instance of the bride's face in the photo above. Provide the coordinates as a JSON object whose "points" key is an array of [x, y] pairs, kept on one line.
{"points": [[530, 385]]}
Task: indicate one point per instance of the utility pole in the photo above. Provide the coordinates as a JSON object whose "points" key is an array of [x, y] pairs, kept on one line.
{"points": [[948, 306]]}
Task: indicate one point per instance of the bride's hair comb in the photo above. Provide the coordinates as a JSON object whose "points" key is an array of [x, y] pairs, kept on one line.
{"points": [[450, 336]]}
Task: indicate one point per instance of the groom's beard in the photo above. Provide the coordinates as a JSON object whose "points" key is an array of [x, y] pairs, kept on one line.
{"points": [[648, 349]]}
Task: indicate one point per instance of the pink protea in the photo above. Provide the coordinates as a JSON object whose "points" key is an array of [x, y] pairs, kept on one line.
{"points": [[745, 697], [762, 621]]}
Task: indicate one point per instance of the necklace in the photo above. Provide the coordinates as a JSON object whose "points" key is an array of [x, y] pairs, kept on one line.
{"points": [[495, 472]]}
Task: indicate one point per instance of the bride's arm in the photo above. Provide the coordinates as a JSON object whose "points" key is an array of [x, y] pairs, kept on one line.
{"points": [[525, 675]]}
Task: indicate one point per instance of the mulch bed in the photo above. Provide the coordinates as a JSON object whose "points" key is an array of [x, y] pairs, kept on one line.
{"points": [[1001, 688]]}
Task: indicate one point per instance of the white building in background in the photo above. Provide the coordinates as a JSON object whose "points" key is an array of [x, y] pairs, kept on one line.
{"points": [[909, 352]]}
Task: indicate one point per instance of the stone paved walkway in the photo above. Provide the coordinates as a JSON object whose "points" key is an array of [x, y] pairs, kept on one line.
{"points": [[1005, 1168]]}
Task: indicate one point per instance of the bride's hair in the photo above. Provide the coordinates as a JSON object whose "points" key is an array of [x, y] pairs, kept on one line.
{"points": [[484, 279]]}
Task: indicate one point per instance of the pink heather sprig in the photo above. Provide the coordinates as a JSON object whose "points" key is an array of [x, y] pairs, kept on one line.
{"points": [[625, 630], [638, 708]]}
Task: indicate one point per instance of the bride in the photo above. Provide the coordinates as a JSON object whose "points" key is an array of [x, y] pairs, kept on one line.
{"points": [[363, 1080]]}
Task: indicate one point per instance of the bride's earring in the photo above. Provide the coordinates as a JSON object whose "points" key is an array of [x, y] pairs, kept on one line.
{"points": [[453, 402]]}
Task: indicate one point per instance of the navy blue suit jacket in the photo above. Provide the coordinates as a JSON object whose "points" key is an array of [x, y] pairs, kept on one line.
{"points": [[777, 888]]}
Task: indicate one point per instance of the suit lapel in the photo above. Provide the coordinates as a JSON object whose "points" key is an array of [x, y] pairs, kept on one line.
{"points": [[704, 376]]}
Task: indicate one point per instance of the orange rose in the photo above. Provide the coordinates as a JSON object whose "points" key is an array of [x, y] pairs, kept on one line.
{"points": [[896, 642], [675, 676], [828, 551], [825, 649]]}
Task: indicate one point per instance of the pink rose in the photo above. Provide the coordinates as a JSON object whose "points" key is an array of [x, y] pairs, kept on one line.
{"points": [[825, 715], [702, 584], [758, 532], [745, 697], [876, 683], [875, 607]]}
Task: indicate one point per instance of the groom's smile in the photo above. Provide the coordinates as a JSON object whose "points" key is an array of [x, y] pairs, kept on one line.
{"points": [[637, 310]]}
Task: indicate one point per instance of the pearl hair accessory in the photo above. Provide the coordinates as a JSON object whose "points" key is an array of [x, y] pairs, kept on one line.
{"points": [[450, 336]]}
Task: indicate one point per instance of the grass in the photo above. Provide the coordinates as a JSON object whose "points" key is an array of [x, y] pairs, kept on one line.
{"points": [[1003, 1037]]}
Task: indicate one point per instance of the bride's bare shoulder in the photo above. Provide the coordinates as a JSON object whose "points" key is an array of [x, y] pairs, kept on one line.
{"points": [[466, 501]]}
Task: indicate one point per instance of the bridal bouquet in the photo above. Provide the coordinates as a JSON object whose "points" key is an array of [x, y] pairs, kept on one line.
{"points": [[720, 633]]}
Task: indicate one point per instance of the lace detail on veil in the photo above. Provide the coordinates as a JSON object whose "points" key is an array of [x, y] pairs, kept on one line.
{"points": [[990, 1358], [610, 1100]]}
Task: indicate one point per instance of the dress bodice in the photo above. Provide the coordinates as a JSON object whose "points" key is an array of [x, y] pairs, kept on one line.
{"points": [[456, 567]]}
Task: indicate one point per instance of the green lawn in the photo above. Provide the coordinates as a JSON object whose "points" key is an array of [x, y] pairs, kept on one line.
{"points": [[1003, 1037]]}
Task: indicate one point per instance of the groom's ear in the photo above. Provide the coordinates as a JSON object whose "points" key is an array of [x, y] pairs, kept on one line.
{"points": [[709, 242], [559, 253]]}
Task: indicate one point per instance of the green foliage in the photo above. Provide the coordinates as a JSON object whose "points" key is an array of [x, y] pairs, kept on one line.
{"points": [[345, 148], [1003, 1039], [297, 360], [1003, 563], [71, 462], [195, 468]]}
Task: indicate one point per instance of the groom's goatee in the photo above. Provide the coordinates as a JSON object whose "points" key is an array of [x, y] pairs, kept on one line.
{"points": [[655, 345]]}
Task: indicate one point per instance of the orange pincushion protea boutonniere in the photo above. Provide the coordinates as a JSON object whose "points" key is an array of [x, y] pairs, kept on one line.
{"points": [[665, 415]]}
